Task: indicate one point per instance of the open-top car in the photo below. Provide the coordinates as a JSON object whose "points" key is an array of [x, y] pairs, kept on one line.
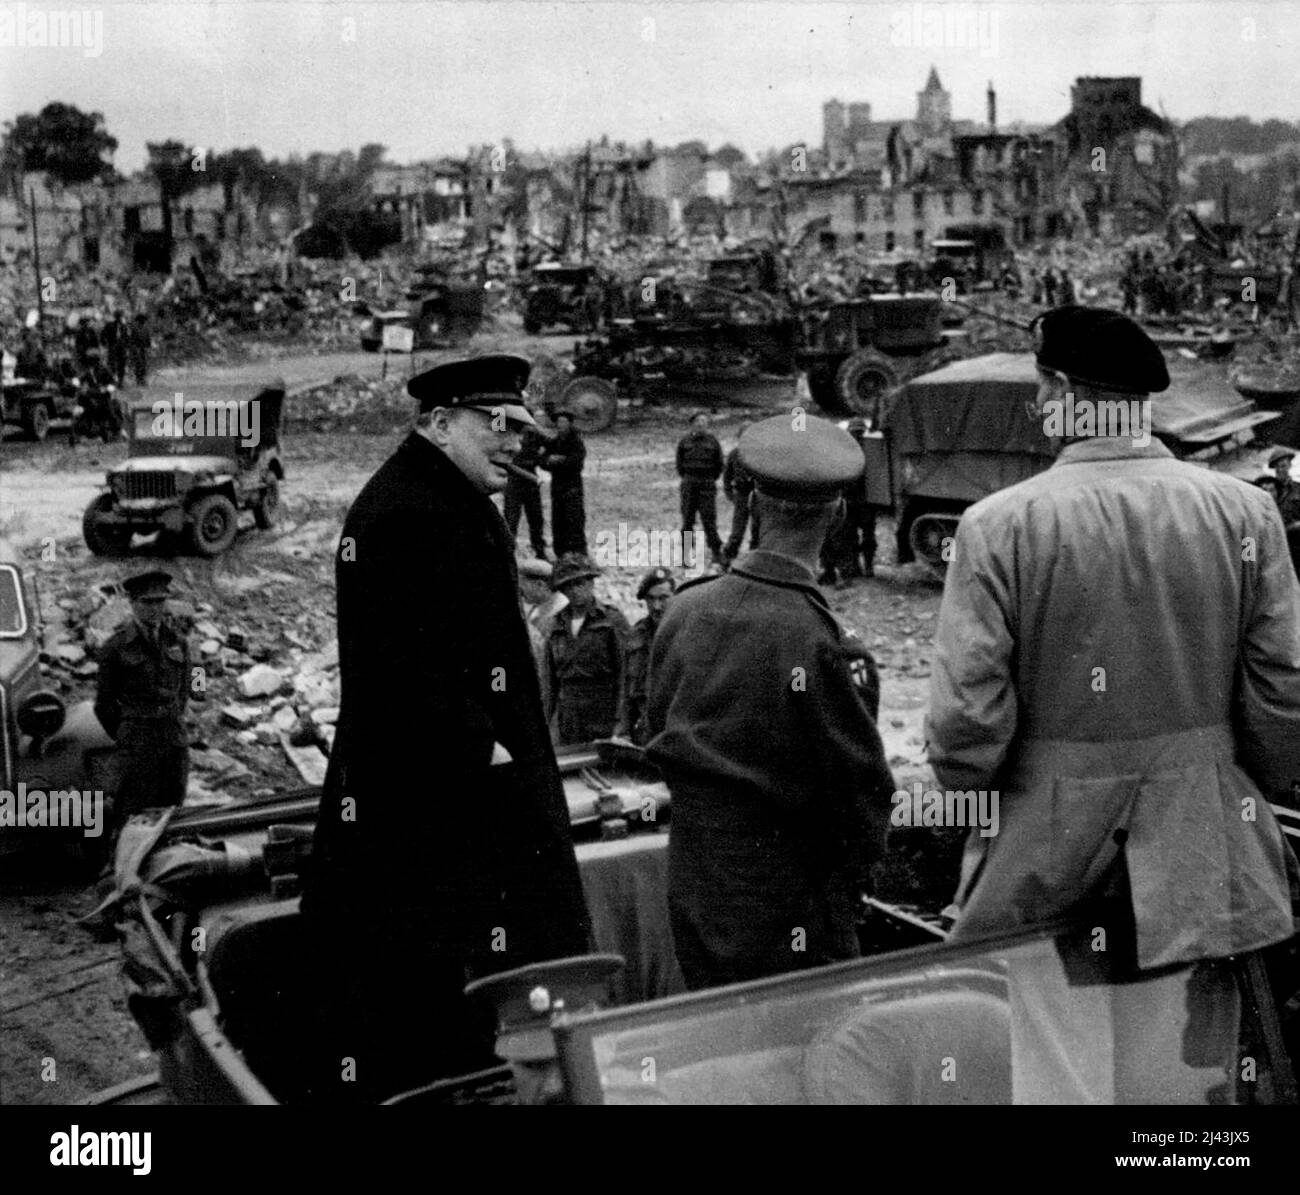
{"points": [[198, 459]]}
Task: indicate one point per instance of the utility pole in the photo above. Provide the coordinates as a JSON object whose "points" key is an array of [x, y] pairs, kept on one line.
{"points": [[586, 196], [36, 255]]}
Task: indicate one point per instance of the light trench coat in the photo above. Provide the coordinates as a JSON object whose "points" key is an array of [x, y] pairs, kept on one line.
{"points": [[1118, 656]]}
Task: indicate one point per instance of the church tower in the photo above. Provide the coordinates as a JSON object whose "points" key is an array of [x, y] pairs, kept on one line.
{"points": [[933, 107]]}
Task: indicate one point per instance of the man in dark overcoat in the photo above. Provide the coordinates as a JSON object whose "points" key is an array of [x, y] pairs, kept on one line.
{"points": [[443, 849], [564, 459]]}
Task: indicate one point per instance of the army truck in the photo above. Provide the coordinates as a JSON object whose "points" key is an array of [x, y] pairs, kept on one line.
{"points": [[571, 295], [950, 437], [45, 747]]}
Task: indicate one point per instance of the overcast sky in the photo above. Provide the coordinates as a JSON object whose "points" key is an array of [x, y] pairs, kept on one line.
{"points": [[431, 78]]}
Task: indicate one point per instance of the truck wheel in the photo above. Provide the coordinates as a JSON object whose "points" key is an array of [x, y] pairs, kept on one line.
{"points": [[593, 403], [267, 509], [212, 524], [863, 379], [103, 539], [931, 538], [36, 421]]}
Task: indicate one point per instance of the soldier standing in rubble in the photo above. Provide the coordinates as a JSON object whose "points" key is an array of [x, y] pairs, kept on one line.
{"points": [[143, 689], [699, 465], [1286, 493], [583, 674], [525, 497], [563, 459], [737, 485]]}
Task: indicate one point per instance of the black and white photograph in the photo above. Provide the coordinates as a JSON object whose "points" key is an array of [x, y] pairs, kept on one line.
{"points": [[580, 552]]}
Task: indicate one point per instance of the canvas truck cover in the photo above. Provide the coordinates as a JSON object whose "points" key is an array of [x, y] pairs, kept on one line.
{"points": [[963, 431]]}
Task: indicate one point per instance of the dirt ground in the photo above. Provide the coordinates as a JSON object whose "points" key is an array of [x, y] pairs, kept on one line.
{"points": [[64, 1028]]}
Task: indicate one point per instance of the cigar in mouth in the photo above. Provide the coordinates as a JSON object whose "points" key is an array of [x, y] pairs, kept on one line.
{"points": [[522, 474]]}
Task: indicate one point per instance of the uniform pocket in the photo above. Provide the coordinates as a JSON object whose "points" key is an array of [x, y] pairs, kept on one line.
{"points": [[1088, 830]]}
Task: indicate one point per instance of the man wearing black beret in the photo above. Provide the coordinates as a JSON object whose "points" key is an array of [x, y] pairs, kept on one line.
{"points": [[443, 847], [1118, 655]]}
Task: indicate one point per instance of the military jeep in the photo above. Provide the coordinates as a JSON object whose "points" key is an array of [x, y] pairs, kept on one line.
{"points": [[198, 459]]}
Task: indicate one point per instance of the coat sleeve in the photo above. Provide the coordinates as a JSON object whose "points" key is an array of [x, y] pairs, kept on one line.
{"points": [[857, 780], [716, 470], [108, 694], [973, 708], [1267, 712]]}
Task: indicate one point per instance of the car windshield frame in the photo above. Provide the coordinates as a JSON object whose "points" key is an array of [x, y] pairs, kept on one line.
{"points": [[12, 582]]}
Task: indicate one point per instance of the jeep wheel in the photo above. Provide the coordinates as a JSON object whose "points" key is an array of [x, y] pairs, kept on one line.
{"points": [[36, 421], [593, 403], [103, 539], [863, 380], [267, 509], [212, 524]]}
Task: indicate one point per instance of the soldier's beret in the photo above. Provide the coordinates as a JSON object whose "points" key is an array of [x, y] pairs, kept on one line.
{"points": [[154, 582], [656, 576], [526, 998], [487, 383], [802, 459], [573, 567], [1100, 348], [1282, 454]]}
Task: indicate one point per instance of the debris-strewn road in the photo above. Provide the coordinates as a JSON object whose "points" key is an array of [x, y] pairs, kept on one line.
{"points": [[269, 603]]}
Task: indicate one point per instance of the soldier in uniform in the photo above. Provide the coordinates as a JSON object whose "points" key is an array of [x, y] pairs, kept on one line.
{"points": [[1286, 493], [144, 685], [563, 460], [524, 1001], [699, 465], [584, 657], [656, 589], [525, 497], [137, 345], [443, 849], [737, 485], [761, 718], [850, 548]]}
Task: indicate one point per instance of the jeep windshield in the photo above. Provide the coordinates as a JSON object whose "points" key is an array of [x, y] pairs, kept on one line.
{"points": [[13, 615]]}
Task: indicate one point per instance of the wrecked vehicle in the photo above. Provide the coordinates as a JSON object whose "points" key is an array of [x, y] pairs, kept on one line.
{"points": [[196, 463], [573, 296], [45, 746], [950, 437], [704, 346], [219, 980]]}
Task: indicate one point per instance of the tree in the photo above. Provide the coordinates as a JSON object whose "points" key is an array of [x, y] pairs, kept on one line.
{"points": [[66, 143]]}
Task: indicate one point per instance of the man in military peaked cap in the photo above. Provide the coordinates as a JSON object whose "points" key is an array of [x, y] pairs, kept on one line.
{"points": [[143, 688], [1114, 661], [443, 846], [524, 1001], [761, 717]]}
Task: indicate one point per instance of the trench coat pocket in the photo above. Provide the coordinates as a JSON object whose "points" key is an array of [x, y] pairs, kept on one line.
{"points": [[1179, 855], [1089, 825]]}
